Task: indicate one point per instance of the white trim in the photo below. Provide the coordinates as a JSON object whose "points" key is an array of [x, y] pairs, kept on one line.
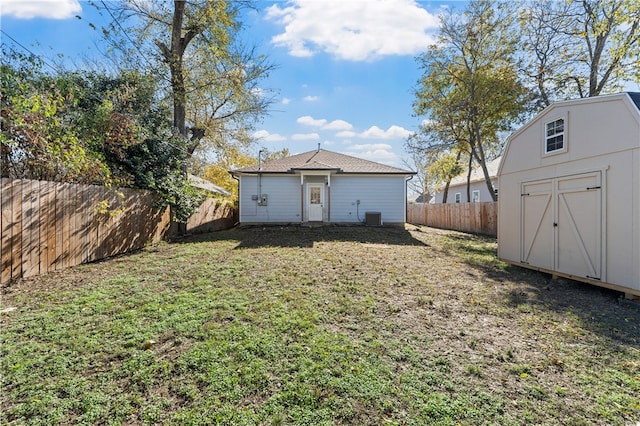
{"points": [[565, 134]]}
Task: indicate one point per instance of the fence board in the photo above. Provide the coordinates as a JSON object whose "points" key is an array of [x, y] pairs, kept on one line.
{"points": [[59, 215], [30, 227], [46, 192], [6, 228], [479, 218]]}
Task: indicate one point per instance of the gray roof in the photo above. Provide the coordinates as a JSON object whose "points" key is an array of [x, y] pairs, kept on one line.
{"points": [[323, 160], [198, 182]]}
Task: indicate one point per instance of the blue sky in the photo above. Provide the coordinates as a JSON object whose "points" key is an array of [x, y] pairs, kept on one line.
{"points": [[345, 69]]}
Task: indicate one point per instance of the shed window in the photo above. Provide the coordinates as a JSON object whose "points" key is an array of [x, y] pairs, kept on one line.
{"points": [[475, 196], [458, 197], [554, 139]]}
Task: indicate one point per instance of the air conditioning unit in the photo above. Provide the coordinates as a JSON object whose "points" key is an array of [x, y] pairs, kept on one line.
{"points": [[373, 219]]}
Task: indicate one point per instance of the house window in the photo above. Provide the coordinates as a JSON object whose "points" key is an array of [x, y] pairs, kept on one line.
{"points": [[554, 136], [475, 196], [458, 197]]}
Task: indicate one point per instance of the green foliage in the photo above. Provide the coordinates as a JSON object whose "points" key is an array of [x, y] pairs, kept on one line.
{"points": [[469, 91], [37, 138], [92, 128], [444, 168], [215, 81]]}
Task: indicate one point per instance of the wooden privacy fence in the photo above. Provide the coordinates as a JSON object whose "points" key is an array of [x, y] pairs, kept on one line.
{"points": [[212, 215], [47, 226], [478, 218]]}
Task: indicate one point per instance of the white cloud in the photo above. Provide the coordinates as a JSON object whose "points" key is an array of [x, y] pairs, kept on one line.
{"points": [[286, 101], [371, 146], [393, 132], [324, 124], [305, 136], [354, 30], [48, 9], [381, 153], [311, 98], [266, 136], [310, 121], [338, 125], [346, 134]]}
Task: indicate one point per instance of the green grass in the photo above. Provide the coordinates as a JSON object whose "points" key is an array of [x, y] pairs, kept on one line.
{"points": [[296, 326]]}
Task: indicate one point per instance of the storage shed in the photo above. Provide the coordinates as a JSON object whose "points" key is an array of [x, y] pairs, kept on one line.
{"points": [[322, 186], [570, 192]]}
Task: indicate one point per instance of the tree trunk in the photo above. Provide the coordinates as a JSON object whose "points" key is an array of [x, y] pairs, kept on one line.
{"points": [[445, 192], [469, 170], [480, 157], [178, 46]]}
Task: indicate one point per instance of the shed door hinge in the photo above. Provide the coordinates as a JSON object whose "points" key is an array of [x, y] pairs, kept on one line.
{"points": [[592, 278], [593, 187], [524, 195]]}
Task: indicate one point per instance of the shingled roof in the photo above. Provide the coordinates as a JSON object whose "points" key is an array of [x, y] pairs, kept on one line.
{"points": [[323, 160]]}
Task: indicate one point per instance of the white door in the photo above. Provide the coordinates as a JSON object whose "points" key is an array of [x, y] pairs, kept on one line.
{"points": [[561, 224], [537, 224], [579, 227], [315, 200]]}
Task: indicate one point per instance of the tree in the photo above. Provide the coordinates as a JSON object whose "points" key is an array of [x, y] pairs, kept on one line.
{"points": [[125, 123], [91, 128], [37, 140], [469, 90], [419, 183], [218, 172], [580, 49], [213, 78]]}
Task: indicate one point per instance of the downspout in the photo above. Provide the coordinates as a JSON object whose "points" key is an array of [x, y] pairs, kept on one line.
{"points": [[329, 198], [259, 176], [406, 205], [238, 201], [301, 197]]}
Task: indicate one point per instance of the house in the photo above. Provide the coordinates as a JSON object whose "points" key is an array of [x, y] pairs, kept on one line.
{"points": [[477, 186], [322, 186], [570, 192]]}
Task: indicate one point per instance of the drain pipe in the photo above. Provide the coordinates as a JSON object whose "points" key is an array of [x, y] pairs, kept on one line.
{"points": [[406, 204], [260, 175], [238, 201]]}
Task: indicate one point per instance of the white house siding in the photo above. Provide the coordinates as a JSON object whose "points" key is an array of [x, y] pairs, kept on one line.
{"points": [[283, 199], [462, 189], [603, 137], [384, 194]]}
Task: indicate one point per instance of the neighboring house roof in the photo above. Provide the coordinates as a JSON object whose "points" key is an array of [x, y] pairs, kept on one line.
{"points": [[322, 159], [198, 182], [477, 175]]}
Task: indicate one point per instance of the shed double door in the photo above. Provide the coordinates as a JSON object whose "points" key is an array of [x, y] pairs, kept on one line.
{"points": [[561, 224]]}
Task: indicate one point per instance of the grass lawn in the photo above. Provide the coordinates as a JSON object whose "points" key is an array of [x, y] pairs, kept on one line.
{"points": [[321, 326]]}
